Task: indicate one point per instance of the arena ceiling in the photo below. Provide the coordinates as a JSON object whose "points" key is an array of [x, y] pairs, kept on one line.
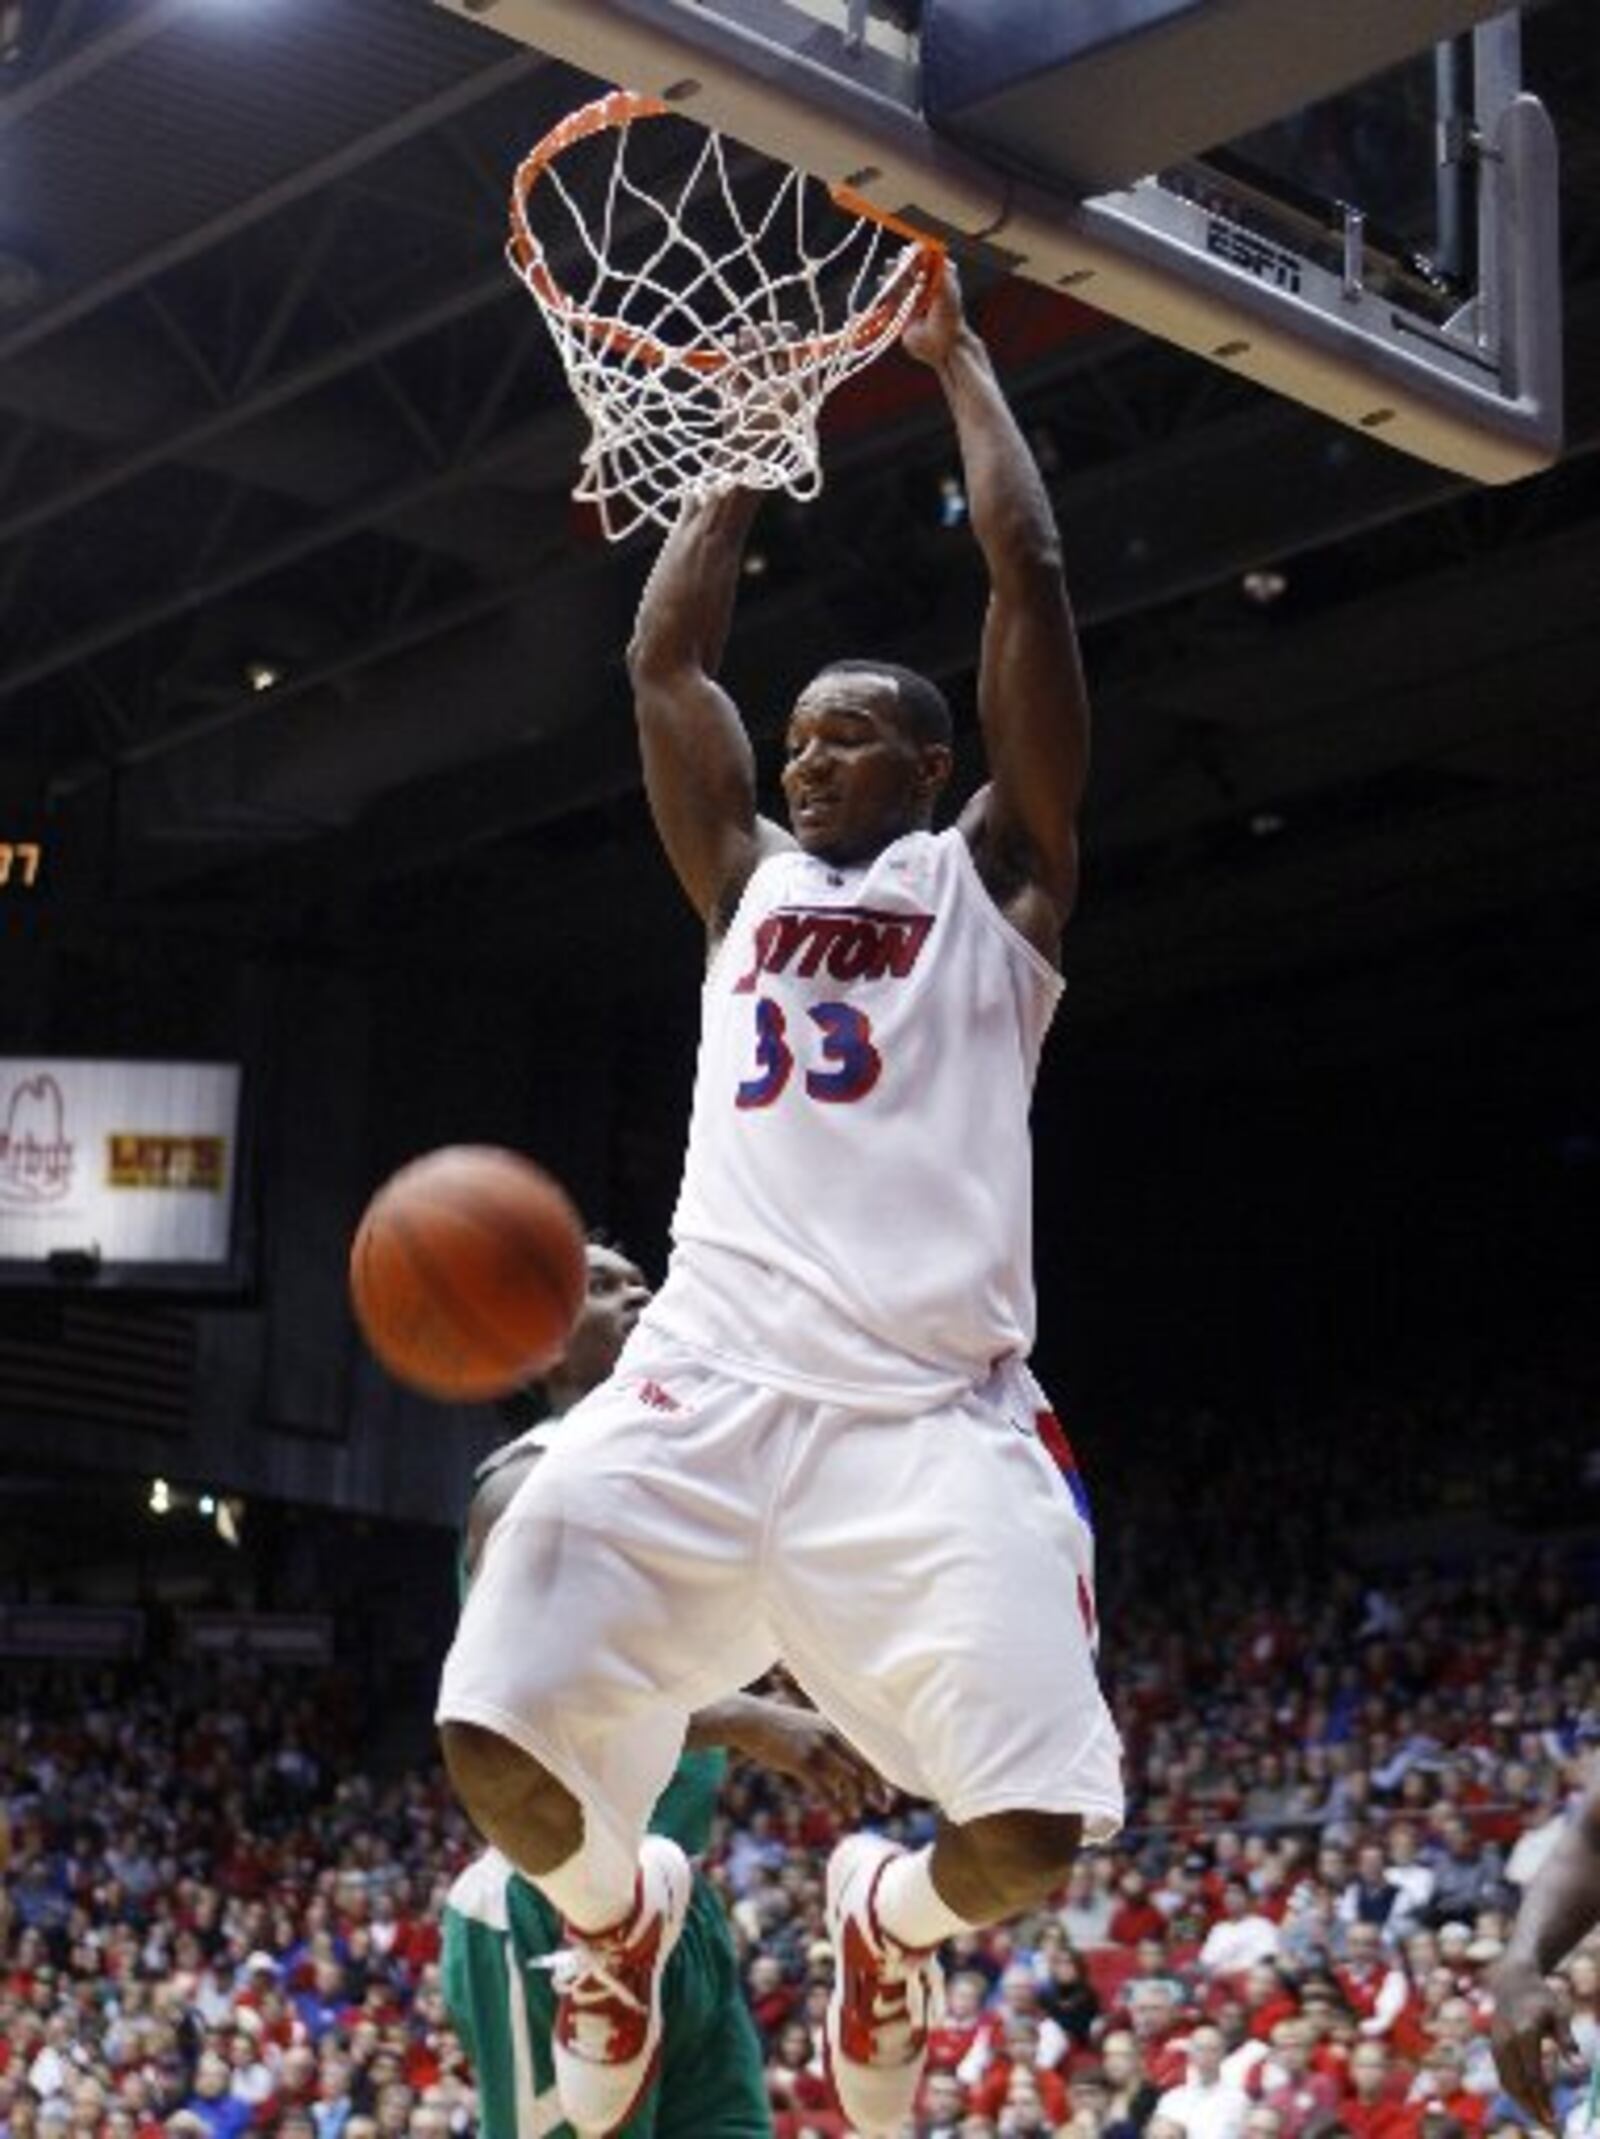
{"points": [[304, 648]]}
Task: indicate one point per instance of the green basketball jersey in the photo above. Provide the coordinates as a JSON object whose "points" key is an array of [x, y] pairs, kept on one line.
{"points": [[688, 1805]]}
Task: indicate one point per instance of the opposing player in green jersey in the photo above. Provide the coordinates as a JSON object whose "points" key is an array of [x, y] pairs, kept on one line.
{"points": [[503, 1941]]}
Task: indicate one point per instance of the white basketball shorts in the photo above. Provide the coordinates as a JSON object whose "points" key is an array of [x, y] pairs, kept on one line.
{"points": [[928, 1581]]}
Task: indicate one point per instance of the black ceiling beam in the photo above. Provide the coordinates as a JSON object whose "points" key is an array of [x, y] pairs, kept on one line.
{"points": [[80, 62], [321, 171]]}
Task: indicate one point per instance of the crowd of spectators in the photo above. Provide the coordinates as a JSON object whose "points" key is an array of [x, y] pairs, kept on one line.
{"points": [[1335, 1800], [214, 1922], [217, 1922]]}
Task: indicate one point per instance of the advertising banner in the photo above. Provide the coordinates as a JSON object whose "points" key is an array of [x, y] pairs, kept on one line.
{"points": [[133, 1162]]}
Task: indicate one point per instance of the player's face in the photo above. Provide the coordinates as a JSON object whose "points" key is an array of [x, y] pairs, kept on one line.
{"points": [[616, 1297], [853, 778]]}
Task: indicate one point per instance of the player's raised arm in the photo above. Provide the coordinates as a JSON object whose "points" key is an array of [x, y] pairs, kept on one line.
{"points": [[1031, 697], [699, 768]]}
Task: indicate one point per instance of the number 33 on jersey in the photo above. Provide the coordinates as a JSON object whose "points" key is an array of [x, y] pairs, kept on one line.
{"points": [[841, 944]]}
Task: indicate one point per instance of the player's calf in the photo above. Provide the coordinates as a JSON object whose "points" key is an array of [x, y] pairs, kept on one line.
{"points": [[994, 1868], [516, 1804]]}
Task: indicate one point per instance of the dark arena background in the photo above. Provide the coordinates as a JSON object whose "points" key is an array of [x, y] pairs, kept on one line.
{"points": [[318, 768]]}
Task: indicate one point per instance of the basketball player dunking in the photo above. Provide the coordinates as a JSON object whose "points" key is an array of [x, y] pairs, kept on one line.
{"points": [[822, 1442]]}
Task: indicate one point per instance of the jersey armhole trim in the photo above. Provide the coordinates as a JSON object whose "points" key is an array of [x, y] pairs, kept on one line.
{"points": [[1051, 975], [719, 948]]}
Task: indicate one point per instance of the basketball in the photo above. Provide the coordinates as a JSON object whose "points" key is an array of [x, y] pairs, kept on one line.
{"points": [[467, 1272]]}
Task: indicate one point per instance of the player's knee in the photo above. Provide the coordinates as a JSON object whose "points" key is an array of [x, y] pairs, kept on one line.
{"points": [[518, 1804], [1025, 1855], [490, 1774]]}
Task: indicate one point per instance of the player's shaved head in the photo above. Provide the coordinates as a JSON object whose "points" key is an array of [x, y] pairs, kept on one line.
{"points": [[923, 708]]}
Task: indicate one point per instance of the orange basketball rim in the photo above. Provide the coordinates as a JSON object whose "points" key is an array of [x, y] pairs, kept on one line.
{"points": [[860, 335]]}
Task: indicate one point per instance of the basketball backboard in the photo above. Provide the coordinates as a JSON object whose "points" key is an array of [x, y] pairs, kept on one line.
{"points": [[1417, 299]]}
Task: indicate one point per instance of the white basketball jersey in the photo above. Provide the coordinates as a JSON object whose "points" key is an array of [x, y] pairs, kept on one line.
{"points": [[857, 1201]]}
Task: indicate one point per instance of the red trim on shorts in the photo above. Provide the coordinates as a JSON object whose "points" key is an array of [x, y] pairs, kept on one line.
{"points": [[1053, 1434]]}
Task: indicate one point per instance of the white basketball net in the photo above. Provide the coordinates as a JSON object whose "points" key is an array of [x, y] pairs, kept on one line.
{"points": [[704, 317]]}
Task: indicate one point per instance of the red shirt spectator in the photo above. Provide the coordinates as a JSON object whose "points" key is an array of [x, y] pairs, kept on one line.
{"points": [[794, 2079], [990, 2094], [1136, 1915], [1440, 2086], [772, 1999], [949, 2042], [1373, 2106], [1290, 2086], [1267, 2001], [1375, 1991]]}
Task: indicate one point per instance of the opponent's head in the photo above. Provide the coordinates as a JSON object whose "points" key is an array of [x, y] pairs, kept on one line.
{"points": [[867, 753], [616, 1296]]}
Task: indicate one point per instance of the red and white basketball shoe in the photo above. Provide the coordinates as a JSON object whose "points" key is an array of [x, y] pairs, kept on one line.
{"points": [[608, 1998], [885, 1996]]}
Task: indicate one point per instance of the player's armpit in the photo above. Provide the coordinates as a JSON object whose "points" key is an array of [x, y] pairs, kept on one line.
{"points": [[1010, 871]]}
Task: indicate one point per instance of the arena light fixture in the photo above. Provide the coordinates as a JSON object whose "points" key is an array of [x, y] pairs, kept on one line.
{"points": [[952, 501]]}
